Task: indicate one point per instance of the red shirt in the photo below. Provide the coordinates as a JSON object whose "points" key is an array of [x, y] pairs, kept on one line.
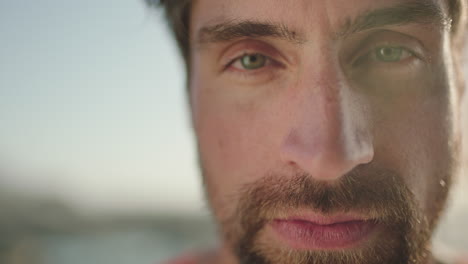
{"points": [[183, 260]]}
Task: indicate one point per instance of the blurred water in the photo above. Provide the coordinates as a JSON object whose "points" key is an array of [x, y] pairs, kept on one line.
{"points": [[135, 245], [117, 241]]}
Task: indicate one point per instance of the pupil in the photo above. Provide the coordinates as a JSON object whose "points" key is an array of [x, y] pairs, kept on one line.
{"points": [[387, 51], [253, 58]]}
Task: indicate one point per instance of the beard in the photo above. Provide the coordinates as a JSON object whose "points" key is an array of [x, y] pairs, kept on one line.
{"points": [[379, 194]]}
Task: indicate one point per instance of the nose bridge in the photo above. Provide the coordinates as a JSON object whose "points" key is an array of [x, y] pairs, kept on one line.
{"points": [[329, 136], [324, 117], [330, 101]]}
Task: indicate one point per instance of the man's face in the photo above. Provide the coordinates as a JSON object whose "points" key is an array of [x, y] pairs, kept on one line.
{"points": [[325, 128]]}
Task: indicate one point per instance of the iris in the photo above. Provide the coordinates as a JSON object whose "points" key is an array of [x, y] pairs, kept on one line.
{"points": [[253, 61], [389, 54]]}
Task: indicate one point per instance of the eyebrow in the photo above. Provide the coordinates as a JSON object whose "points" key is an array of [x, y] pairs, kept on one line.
{"points": [[227, 31], [416, 11]]}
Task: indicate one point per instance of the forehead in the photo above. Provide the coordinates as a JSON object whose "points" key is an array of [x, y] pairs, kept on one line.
{"points": [[304, 15]]}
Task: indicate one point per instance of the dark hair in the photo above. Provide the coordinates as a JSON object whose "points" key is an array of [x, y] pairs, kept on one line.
{"points": [[178, 16]]}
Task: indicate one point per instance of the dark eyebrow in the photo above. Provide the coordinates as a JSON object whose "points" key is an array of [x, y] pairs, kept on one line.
{"points": [[230, 30], [420, 12]]}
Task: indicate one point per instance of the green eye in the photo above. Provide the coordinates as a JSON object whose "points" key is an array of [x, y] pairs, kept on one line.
{"points": [[253, 61], [389, 54]]}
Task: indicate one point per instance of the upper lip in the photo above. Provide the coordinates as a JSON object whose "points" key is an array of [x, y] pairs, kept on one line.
{"points": [[322, 219]]}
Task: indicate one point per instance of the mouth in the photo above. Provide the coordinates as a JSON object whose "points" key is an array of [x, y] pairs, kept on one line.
{"points": [[320, 232]]}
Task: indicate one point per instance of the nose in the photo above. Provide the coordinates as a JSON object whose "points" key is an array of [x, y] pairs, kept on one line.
{"points": [[328, 132]]}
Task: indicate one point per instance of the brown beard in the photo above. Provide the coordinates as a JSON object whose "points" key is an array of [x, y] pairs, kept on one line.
{"points": [[377, 193]]}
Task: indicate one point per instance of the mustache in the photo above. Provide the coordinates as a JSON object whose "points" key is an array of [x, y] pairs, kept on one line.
{"points": [[375, 192]]}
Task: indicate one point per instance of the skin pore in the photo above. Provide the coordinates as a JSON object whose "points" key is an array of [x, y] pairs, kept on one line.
{"points": [[324, 109]]}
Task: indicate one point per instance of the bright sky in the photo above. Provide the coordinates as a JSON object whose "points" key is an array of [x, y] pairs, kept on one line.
{"points": [[92, 106]]}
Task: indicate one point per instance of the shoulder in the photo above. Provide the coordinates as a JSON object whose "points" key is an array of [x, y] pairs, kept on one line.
{"points": [[447, 255], [456, 260], [186, 259], [194, 258]]}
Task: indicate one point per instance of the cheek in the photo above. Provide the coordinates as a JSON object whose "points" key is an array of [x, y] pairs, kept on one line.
{"points": [[222, 139], [420, 136], [234, 150], [234, 143]]}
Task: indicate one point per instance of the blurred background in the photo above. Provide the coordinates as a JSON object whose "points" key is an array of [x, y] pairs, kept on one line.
{"points": [[97, 160]]}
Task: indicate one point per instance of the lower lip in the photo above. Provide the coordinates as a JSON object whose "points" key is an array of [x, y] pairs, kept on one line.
{"points": [[307, 235]]}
